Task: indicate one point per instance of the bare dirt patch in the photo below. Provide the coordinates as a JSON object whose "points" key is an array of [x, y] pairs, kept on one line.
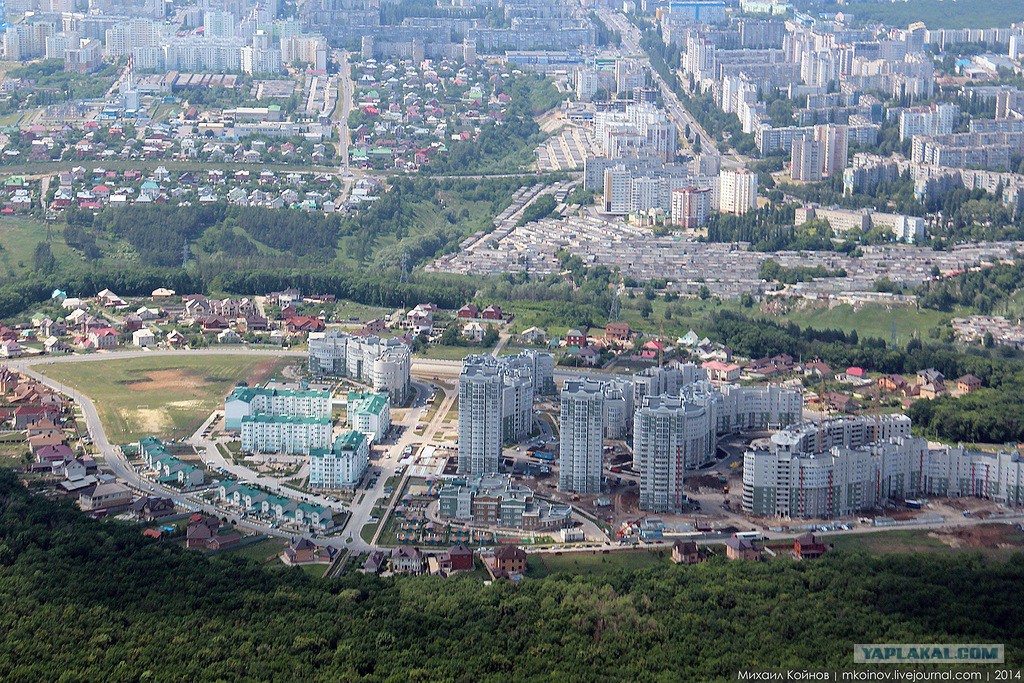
{"points": [[982, 537], [174, 379], [262, 372]]}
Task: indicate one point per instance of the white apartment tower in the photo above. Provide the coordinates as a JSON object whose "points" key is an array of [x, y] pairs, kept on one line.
{"points": [[737, 191], [480, 419], [671, 434], [582, 436]]}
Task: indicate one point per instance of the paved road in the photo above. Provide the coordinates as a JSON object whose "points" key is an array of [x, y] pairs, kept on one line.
{"points": [[677, 112]]}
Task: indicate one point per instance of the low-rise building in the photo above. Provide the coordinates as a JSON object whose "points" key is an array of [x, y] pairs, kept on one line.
{"points": [[495, 500], [369, 414], [342, 465], [285, 434]]}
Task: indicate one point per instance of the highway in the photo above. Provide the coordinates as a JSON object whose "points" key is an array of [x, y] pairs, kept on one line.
{"points": [[676, 111]]}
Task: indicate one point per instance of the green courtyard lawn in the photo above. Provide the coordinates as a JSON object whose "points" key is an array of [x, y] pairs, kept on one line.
{"points": [[18, 239], [166, 396], [440, 352]]}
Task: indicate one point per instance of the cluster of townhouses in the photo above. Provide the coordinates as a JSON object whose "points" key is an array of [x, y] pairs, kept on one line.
{"points": [[844, 465], [282, 510], [674, 413], [167, 468]]}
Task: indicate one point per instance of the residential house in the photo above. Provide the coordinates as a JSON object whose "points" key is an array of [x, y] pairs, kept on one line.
{"points": [[892, 383], [968, 384], [617, 332], [686, 552], [10, 349], [201, 530], [110, 497], [304, 551], [468, 311], [532, 335], [576, 337], [508, 561], [103, 338], [741, 549], [930, 375], [30, 414], [722, 372], [457, 558], [375, 562], [855, 375], [808, 547], [492, 312], [473, 331], [931, 390], [817, 369], [143, 338], [151, 508], [406, 560]]}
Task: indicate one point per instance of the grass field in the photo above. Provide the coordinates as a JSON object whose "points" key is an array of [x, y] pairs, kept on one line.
{"points": [[163, 395], [998, 541], [873, 320], [261, 551], [18, 240], [586, 563]]}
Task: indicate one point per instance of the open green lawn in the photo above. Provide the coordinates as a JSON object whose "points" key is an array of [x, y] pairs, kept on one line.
{"points": [[869, 320], [165, 396], [260, 551], [587, 563], [18, 240], [998, 541], [936, 13], [873, 320]]}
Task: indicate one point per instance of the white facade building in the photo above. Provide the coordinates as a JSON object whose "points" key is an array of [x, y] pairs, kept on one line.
{"points": [[581, 437], [342, 465], [480, 418], [282, 434]]}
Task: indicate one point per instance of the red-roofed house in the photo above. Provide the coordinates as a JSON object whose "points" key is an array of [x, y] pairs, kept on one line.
{"points": [[104, 338], [722, 372]]}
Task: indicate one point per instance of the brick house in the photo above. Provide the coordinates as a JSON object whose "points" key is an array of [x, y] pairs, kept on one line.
{"points": [[458, 558], [808, 547], [686, 552], [741, 549], [617, 332], [508, 560]]}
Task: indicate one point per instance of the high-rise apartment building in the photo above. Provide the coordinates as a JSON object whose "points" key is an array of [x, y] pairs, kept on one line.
{"points": [[671, 434], [737, 191], [480, 418], [581, 439]]}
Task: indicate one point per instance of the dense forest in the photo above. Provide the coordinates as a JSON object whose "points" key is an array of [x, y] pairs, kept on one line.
{"points": [[87, 600]]}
